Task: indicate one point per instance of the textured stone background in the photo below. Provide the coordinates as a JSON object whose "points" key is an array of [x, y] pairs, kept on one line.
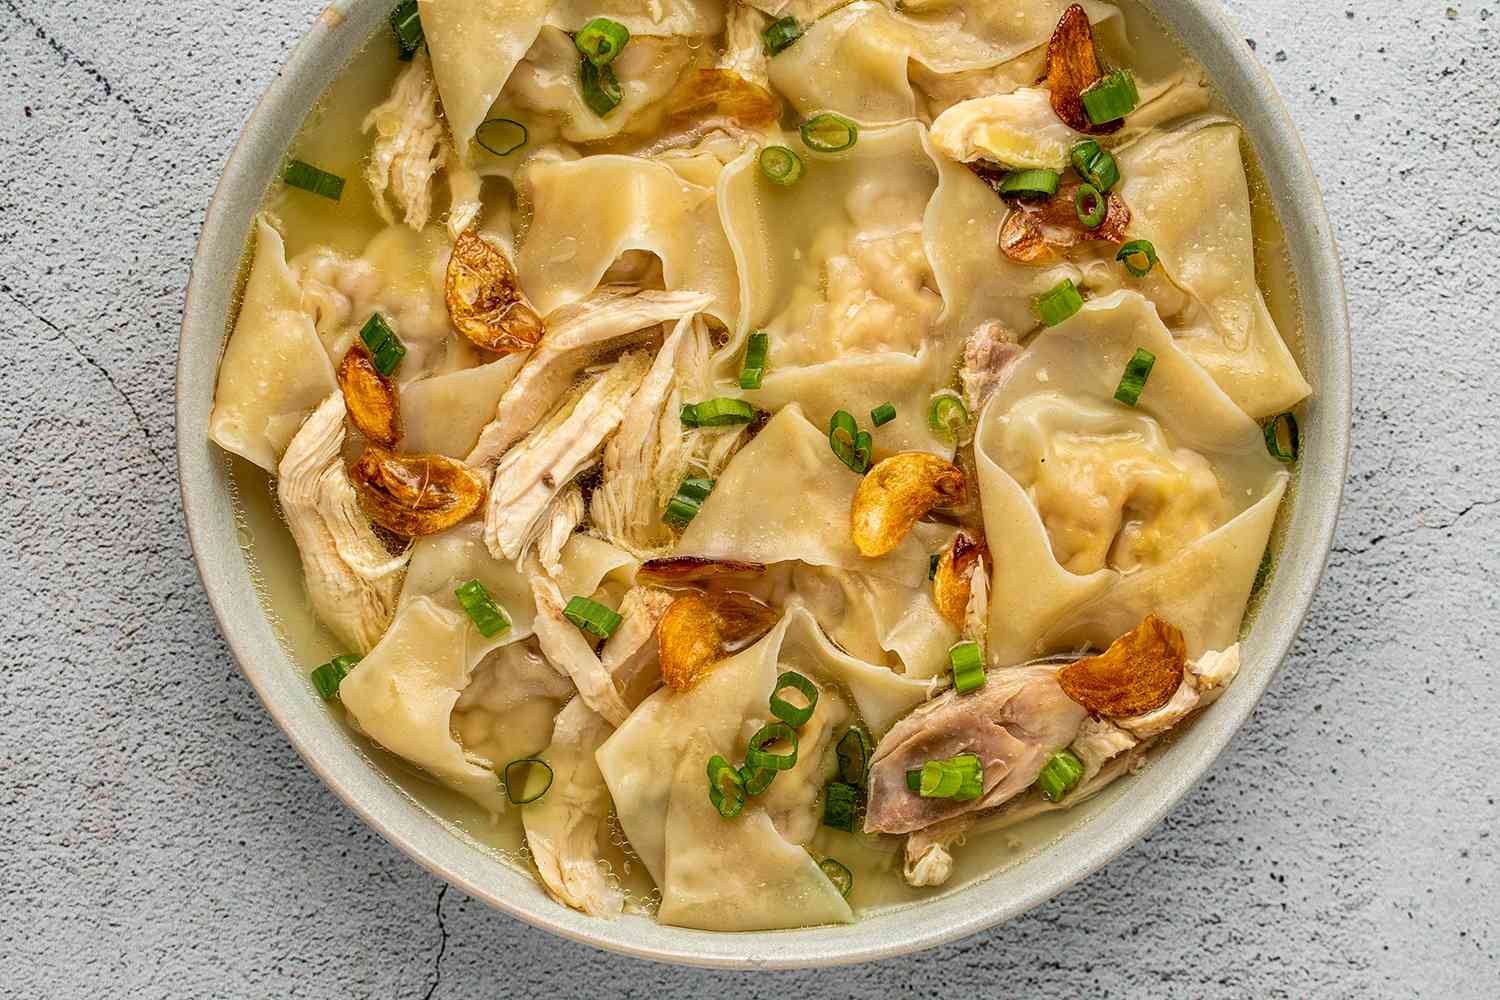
{"points": [[159, 837]]}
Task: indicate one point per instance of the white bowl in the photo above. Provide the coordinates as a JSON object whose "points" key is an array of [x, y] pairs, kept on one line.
{"points": [[1103, 828]]}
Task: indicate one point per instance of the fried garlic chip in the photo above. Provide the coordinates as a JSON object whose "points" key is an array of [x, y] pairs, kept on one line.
{"points": [[955, 572], [698, 630], [684, 570], [415, 495], [369, 396], [1041, 232], [1139, 672], [485, 301], [1073, 67], [896, 494]]}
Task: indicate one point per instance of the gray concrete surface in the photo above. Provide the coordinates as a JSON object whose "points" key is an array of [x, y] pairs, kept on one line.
{"points": [[159, 838]]}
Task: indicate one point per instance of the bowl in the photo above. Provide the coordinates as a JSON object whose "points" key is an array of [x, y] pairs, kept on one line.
{"points": [[1106, 826]]}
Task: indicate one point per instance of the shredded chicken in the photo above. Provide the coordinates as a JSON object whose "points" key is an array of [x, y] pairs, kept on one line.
{"points": [[561, 519], [410, 146], [988, 354], [531, 475], [709, 449], [352, 578], [744, 43], [977, 614], [577, 335]]}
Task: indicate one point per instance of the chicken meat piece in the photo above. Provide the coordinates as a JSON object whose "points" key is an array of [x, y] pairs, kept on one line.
{"points": [[577, 336], [988, 355], [630, 655], [744, 43], [352, 579], [531, 476], [976, 626], [709, 449], [561, 518], [410, 145], [569, 650]]}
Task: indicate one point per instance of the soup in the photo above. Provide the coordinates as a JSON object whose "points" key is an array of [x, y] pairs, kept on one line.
{"points": [[750, 464]]}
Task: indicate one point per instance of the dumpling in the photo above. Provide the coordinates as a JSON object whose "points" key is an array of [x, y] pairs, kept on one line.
{"points": [[744, 873], [876, 620], [1165, 507], [274, 370], [443, 414]]}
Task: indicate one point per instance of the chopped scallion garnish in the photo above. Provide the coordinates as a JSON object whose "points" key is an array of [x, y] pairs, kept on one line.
{"points": [[932, 565], [883, 414], [853, 752], [959, 778], [683, 507], [726, 787], [947, 416], [757, 779], [1138, 256], [1060, 775], [592, 617], [406, 22], [1095, 164], [1038, 183], [759, 753], [530, 777], [841, 806], [780, 34], [601, 40], [721, 411], [1090, 206], [780, 165], [829, 133], [1279, 423], [501, 136], [794, 715], [488, 617], [1137, 370], [386, 349], [327, 677], [850, 445], [1059, 304], [1262, 572], [600, 88], [967, 662], [757, 349], [310, 178], [841, 877], [1111, 98]]}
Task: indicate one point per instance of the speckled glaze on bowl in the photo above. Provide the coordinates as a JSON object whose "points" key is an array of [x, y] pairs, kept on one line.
{"points": [[1112, 823]]}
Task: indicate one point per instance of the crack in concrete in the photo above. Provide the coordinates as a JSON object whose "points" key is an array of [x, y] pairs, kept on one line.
{"points": [[140, 421], [1376, 540], [437, 963], [69, 57]]}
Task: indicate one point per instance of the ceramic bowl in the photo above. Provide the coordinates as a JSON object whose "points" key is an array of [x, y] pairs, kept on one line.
{"points": [[1106, 825]]}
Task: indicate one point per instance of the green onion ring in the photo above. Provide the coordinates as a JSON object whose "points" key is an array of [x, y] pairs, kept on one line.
{"points": [[947, 416], [726, 789], [1060, 775], [1137, 248], [784, 710], [600, 88], [488, 617], [841, 806], [757, 351], [757, 779], [601, 40], [841, 877], [967, 663], [850, 445], [780, 165], [386, 349], [1095, 165], [498, 136], [853, 752], [883, 414], [1273, 437], [300, 174], [525, 779], [1087, 194], [1111, 98], [592, 617], [721, 411], [1038, 183], [758, 756], [780, 34], [1059, 303], [1137, 370], [829, 133]]}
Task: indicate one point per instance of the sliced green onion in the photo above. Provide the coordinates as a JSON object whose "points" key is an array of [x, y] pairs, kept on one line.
{"points": [[1273, 438], [841, 877], [1136, 250], [689, 415], [1090, 205], [794, 715], [385, 348], [758, 754], [853, 752], [601, 40], [1262, 572], [932, 565], [726, 788], [883, 414], [1060, 775], [683, 507], [592, 617], [1137, 370], [406, 23], [947, 416], [914, 779], [327, 677], [959, 778], [968, 667], [844, 439], [310, 178], [1059, 304], [501, 136], [1111, 98], [721, 411], [940, 780], [488, 617], [1095, 164], [841, 806], [780, 165], [757, 349], [600, 88], [757, 779], [520, 774], [1039, 183], [829, 133], [780, 34]]}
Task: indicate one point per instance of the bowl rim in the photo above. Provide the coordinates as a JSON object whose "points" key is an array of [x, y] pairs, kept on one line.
{"points": [[1204, 30]]}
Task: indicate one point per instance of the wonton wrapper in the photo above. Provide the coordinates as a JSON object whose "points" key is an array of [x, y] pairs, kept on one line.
{"points": [[660, 17], [740, 874], [1188, 195], [588, 212], [874, 619], [275, 370], [786, 497], [1039, 607], [444, 414]]}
